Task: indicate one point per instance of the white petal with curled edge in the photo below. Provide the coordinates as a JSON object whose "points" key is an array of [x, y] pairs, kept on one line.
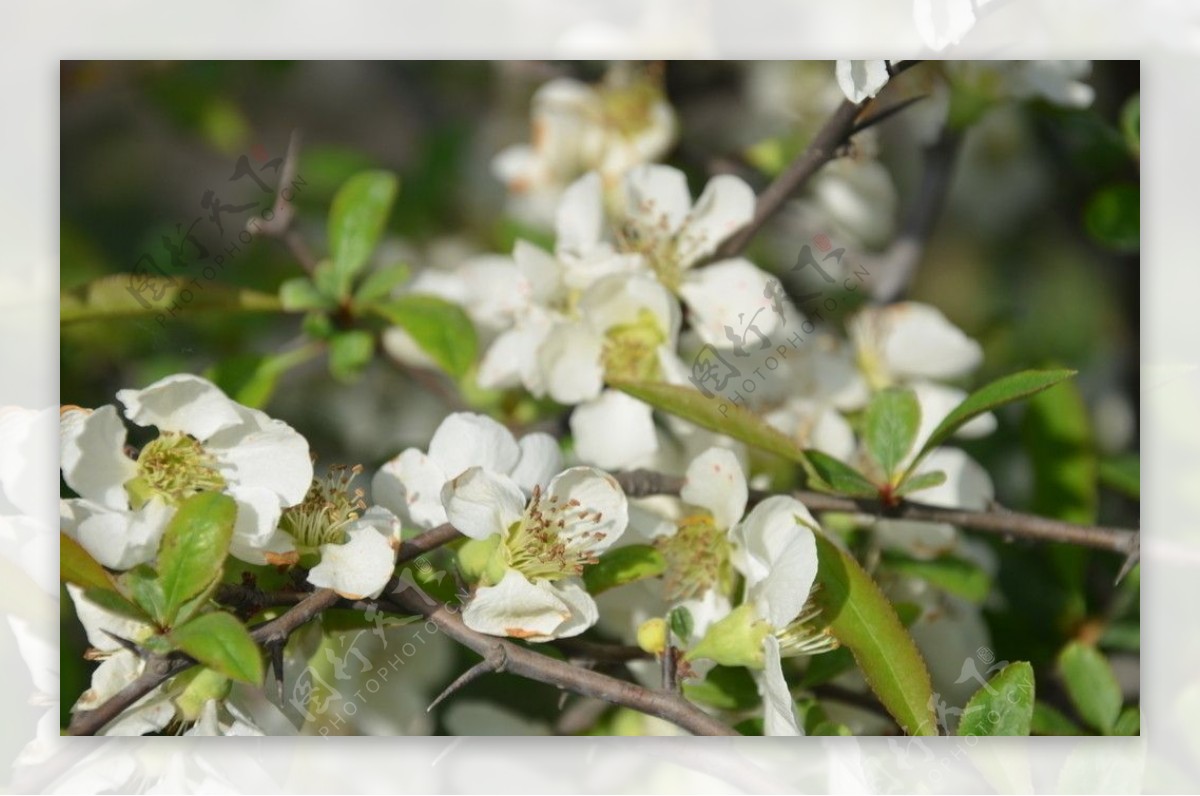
{"points": [[584, 613], [517, 608], [775, 549], [602, 512], [580, 217], [182, 402], [362, 566], [540, 460], [480, 503], [570, 363], [269, 455], [726, 206], [860, 80], [730, 304], [657, 199], [256, 534], [117, 539], [466, 439], [920, 343], [779, 711], [614, 431], [410, 486], [715, 481], [94, 463]]}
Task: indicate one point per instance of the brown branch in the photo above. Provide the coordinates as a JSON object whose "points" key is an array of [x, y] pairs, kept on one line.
{"points": [[159, 668], [280, 225], [526, 663], [823, 148], [641, 483]]}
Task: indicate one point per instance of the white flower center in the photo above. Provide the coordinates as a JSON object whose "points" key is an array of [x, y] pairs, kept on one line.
{"points": [[173, 467], [327, 508], [697, 557], [542, 544]]}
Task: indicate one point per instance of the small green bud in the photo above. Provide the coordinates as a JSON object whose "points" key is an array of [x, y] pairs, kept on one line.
{"points": [[482, 561], [199, 686], [736, 640]]}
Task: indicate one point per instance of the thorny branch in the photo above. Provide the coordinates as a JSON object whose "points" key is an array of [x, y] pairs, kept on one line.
{"points": [[641, 483], [280, 224]]}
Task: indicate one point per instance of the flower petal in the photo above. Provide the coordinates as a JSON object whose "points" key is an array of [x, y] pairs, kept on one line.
{"points": [[465, 439], [94, 463], [580, 217], [480, 503], [362, 566], [517, 608], [726, 206], [920, 343], [511, 360], [256, 528], [779, 710], [774, 548], [117, 539], [410, 485], [99, 622], [570, 363], [621, 299], [540, 460], [584, 613], [182, 402], [657, 198], [602, 512], [614, 431], [715, 481], [730, 304], [264, 453], [860, 80]]}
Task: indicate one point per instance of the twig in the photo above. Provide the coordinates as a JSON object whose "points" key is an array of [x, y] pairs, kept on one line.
{"points": [[493, 662], [823, 148], [280, 224], [159, 668], [640, 483], [532, 665]]}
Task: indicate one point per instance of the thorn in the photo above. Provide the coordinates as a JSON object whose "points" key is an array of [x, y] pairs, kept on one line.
{"points": [[277, 669], [129, 645], [494, 662], [1131, 559]]}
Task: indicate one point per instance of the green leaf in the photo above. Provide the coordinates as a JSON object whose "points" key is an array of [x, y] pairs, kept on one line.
{"points": [[441, 329], [356, 221], [1091, 684], [725, 688], [300, 294], [1113, 217], [681, 623], [1124, 474], [918, 482], [1002, 391], [379, 284], [1004, 706], [863, 620], [1129, 722], [193, 548], [128, 296], [141, 585], [1058, 434], [223, 644], [1131, 124], [832, 475], [76, 565], [954, 575], [890, 427], [349, 353], [623, 565], [1049, 721], [714, 414]]}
